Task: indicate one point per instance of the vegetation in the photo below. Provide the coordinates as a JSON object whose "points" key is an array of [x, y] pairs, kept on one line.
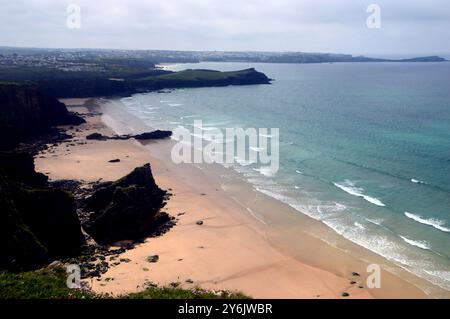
{"points": [[200, 75], [39, 284], [179, 293], [51, 284]]}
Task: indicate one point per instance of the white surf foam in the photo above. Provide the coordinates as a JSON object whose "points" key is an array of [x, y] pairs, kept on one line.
{"points": [[349, 188], [417, 243], [416, 181], [436, 223]]}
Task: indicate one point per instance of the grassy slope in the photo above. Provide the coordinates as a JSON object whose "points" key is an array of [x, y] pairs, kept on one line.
{"points": [[178, 293], [40, 284], [199, 75], [51, 284]]}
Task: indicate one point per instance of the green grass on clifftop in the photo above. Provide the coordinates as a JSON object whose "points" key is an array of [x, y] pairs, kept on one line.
{"points": [[40, 284], [179, 293], [192, 78], [201, 75], [51, 284]]}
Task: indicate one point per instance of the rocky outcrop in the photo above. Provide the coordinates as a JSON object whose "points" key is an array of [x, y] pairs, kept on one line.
{"points": [[125, 209], [158, 134], [26, 113], [154, 135], [37, 222], [97, 137]]}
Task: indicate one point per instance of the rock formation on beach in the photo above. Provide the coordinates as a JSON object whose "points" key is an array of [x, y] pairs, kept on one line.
{"points": [[154, 135], [158, 134], [124, 209]]}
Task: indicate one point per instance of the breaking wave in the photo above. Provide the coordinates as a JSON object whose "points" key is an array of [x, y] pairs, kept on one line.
{"points": [[436, 223], [349, 187]]}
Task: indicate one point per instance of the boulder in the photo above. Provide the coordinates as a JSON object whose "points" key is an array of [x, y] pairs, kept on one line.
{"points": [[153, 259], [125, 209]]}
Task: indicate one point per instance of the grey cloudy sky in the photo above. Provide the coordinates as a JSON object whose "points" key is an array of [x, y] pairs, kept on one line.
{"points": [[413, 26]]}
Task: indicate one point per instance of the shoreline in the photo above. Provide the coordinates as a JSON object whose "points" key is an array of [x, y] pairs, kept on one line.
{"points": [[232, 250]]}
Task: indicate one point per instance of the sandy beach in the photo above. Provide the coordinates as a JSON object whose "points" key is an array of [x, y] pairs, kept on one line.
{"points": [[248, 242]]}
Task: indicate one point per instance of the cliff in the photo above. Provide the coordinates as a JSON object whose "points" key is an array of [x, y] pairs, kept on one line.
{"points": [[25, 113], [37, 222]]}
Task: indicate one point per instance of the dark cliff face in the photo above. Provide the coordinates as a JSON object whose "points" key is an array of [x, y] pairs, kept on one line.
{"points": [[26, 113], [37, 222]]}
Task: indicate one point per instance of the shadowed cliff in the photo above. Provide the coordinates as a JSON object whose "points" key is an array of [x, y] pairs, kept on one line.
{"points": [[25, 113]]}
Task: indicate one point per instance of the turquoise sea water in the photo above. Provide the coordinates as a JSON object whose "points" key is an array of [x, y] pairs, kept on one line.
{"points": [[364, 148]]}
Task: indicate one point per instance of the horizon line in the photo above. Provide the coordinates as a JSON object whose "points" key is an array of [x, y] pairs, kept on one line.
{"points": [[225, 51]]}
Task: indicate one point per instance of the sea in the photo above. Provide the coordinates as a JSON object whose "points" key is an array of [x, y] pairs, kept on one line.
{"points": [[364, 148]]}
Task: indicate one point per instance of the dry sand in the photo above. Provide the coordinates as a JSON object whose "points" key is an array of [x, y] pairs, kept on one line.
{"points": [[232, 250]]}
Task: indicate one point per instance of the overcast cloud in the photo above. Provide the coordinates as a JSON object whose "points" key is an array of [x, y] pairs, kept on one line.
{"points": [[408, 27]]}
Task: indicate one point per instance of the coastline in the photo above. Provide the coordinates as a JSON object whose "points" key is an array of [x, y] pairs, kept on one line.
{"points": [[275, 255]]}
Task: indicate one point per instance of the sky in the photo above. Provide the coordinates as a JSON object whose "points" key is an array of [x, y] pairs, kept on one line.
{"points": [[408, 27]]}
